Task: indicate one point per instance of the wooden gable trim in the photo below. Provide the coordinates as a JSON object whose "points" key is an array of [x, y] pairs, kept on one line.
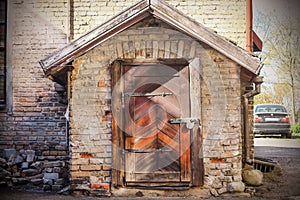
{"points": [[158, 8], [257, 41], [196, 30], [55, 61]]}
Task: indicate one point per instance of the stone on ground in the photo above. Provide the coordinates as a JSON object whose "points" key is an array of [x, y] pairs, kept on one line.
{"points": [[253, 177]]}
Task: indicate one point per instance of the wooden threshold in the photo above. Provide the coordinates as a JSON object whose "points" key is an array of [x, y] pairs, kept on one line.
{"points": [[160, 186]]}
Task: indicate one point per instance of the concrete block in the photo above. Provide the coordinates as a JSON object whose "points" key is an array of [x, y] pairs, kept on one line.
{"points": [[25, 165], [37, 165], [51, 175], [48, 181], [18, 159], [9, 152], [30, 158]]}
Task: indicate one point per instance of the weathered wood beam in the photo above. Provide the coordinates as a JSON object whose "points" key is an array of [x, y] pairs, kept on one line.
{"points": [[196, 30], [93, 38], [158, 8]]}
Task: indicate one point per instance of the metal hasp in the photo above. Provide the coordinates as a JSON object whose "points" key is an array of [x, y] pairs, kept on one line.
{"points": [[189, 122], [162, 94]]}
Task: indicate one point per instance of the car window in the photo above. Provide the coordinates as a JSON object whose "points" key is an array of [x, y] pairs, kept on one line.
{"points": [[278, 110], [270, 108], [261, 110]]}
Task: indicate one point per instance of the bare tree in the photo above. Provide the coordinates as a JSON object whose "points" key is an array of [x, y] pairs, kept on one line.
{"points": [[281, 53]]}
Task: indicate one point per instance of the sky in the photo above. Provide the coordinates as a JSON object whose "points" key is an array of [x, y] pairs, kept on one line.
{"points": [[282, 9]]}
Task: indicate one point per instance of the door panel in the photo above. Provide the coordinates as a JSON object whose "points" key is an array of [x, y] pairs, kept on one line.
{"points": [[141, 164], [156, 151]]}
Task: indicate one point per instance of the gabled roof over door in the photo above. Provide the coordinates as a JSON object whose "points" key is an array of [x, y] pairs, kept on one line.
{"points": [[57, 61]]}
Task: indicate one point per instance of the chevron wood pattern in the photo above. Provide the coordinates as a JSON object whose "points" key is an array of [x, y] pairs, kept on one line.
{"points": [[155, 150]]}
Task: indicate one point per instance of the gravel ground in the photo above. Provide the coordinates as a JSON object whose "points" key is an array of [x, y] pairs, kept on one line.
{"points": [[284, 183]]}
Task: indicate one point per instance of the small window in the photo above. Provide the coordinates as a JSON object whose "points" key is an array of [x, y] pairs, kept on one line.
{"points": [[3, 20]]}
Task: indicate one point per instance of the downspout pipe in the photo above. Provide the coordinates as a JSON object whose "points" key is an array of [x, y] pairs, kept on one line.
{"points": [[249, 24], [257, 82]]}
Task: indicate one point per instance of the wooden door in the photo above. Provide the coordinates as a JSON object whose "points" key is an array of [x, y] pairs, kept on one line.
{"points": [[156, 150]]}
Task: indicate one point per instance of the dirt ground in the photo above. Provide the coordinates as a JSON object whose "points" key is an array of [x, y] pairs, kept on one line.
{"points": [[282, 183]]}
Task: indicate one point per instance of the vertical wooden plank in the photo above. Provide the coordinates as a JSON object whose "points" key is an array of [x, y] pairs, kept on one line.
{"points": [[197, 157], [117, 124], [185, 133], [130, 166], [128, 76], [195, 88], [197, 149], [185, 153]]}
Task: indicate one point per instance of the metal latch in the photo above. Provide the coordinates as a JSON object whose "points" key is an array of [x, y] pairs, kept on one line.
{"points": [[162, 94], [189, 122], [146, 150]]}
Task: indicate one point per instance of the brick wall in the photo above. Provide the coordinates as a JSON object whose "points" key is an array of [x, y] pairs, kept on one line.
{"points": [[90, 106], [221, 113], [37, 119], [41, 27], [297, 95], [227, 18]]}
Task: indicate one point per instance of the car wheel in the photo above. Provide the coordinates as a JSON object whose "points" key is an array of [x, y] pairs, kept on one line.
{"points": [[286, 135]]}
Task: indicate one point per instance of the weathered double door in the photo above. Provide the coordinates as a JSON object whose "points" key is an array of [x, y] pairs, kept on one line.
{"points": [[156, 145]]}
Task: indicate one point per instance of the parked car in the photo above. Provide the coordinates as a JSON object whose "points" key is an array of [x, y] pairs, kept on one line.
{"points": [[270, 119]]}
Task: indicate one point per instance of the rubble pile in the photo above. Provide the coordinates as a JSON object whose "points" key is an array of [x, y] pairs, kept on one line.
{"points": [[20, 167]]}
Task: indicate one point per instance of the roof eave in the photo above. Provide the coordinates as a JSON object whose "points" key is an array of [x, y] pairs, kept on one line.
{"points": [[133, 15], [177, 19], [95, 37]]}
